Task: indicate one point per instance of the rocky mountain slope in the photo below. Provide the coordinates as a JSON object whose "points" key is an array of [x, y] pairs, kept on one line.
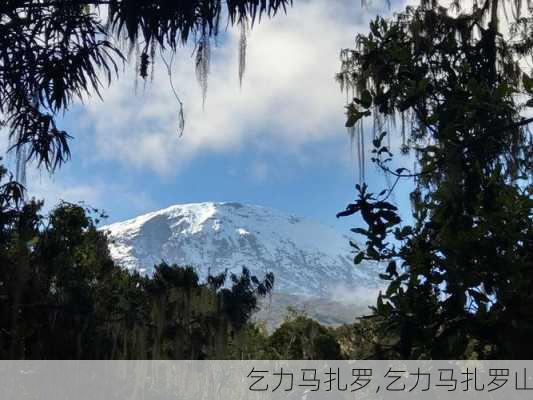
{"points": [[308, 259]]}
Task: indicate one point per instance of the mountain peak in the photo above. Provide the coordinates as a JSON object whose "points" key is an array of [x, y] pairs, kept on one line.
{"points": [[306, 257]]}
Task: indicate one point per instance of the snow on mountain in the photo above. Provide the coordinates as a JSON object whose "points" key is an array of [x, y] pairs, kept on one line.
{"points": [[306, 257]]}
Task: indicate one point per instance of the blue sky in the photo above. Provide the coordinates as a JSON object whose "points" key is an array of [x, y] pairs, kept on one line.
{"points": [[278, 141]]}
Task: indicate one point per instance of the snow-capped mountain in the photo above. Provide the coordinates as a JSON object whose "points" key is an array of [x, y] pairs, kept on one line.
{"points": [[306, 257]]}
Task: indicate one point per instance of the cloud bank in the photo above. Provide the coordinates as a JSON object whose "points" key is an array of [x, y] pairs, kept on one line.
{"points": [[288, 98]]}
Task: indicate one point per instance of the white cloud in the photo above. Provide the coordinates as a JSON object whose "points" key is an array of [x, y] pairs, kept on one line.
{"points": [[289, 97], [358, 295]]}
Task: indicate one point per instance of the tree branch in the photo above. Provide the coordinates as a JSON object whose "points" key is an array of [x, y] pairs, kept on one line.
{"points": [[518, 124]]}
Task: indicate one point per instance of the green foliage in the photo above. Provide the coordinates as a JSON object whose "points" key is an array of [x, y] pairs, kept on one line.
{"points": [[368, 338], [459, 275], [302, 338]]}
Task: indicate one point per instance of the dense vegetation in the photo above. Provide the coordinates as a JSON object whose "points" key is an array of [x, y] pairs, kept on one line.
{"points": [[459, 272]]}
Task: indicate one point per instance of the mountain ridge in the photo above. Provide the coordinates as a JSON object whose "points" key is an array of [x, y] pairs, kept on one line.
{"points": [[307, 257]]}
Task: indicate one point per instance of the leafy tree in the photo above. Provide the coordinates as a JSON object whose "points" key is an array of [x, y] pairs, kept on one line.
{"points": [[302, 338], [367, 338], [460, 273], [53, 52]]}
